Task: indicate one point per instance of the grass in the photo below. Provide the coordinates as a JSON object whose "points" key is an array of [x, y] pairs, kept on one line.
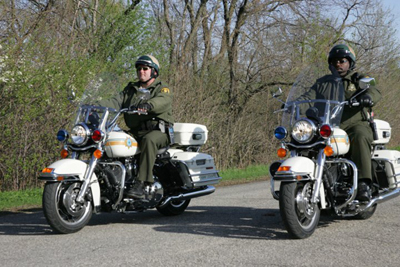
{"points": [[32, 198], [17, 200], [249, 174]]}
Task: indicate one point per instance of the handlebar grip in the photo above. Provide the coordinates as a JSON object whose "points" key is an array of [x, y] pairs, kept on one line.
{"points": [[139, 112]]}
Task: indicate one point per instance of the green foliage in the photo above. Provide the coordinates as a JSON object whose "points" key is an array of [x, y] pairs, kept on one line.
{"points": [[38, 74], [66, 46]]}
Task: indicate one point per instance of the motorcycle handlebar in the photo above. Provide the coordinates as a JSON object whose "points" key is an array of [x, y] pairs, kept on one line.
{"points": [[128, 111]]}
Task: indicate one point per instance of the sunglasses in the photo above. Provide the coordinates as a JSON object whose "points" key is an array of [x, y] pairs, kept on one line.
{"points": [[340, 61], [142, 68]]}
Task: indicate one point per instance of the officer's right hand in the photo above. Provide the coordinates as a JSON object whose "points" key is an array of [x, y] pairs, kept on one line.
{"points": [[363, 100], [366, 100]]}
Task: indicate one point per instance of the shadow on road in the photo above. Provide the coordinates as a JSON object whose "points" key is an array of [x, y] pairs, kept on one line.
{"points": [[222, 221]]}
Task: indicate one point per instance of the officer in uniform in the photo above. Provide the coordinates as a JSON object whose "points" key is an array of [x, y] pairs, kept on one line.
{"points": [[355, 119], [151, 130]]}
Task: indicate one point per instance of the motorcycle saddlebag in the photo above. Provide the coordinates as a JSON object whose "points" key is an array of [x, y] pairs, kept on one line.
{"points": [[386, 167], [198, 168]]}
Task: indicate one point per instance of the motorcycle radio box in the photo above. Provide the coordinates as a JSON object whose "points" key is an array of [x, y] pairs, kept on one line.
{"points": [[200, 166], [190, 134], [384, 131]]}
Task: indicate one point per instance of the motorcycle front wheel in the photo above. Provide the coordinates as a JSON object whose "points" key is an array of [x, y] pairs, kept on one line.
{"points": [[62, 212], [299, 215]]}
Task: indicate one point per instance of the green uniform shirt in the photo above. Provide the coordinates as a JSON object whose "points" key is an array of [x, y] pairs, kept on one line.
{"points": [[327, 88], [160, 100]]}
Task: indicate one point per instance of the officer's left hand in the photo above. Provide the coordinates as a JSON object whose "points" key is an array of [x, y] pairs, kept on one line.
{"points": [[144, 107], [366, 100]]}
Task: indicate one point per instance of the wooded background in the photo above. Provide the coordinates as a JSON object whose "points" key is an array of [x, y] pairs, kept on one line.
{"points": [[220, 58]]}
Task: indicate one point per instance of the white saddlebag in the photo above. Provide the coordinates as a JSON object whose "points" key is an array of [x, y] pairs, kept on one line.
{"points": [[201, 167], [390, 159]]}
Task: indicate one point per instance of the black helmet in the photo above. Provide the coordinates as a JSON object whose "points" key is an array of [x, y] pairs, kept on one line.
{"points": [[148, 60], [343, 51]]}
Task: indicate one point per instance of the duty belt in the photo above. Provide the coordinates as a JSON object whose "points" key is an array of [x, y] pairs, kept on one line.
{"points": [[149, 125]]}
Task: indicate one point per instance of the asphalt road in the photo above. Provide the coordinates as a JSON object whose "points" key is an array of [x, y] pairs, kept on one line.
{"points": [[236, 226]]}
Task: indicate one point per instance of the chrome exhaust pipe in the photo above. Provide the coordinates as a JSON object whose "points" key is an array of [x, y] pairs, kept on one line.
{"points": [[384, 197], [200, 193]]}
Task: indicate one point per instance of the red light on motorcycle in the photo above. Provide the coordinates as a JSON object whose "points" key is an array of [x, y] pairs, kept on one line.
{"points": [[328, 150], [284, 168], [282, 152], [47, 170], [97, 135], [60, 178], [325, 131], [64, 153], [97, 154]]}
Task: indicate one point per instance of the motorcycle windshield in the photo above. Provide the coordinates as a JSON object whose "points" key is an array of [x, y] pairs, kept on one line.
{"points": [[103, 86], [321, 101]]}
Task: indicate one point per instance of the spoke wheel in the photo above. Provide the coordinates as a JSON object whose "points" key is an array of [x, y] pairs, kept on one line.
{"points": [[62, 212], [299, 215]]}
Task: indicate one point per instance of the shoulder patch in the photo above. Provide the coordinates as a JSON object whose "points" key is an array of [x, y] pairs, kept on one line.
{"points": [[165, 90]]}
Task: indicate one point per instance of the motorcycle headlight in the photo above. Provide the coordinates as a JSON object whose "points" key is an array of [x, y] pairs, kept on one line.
{"points": [[80, 134], [303, 131]]}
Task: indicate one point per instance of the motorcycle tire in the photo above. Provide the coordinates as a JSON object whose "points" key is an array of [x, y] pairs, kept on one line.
{"points": [[175, 207], [366, 214], [299, 215], [62, 212]]}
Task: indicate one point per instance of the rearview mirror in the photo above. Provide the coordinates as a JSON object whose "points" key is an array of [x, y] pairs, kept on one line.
{"points": [[365, 83], [71, 95], [276, 92]]}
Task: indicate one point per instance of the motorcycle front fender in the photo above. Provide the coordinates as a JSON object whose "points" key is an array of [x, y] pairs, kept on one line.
{"points": [[69, 170], [295, 169]]}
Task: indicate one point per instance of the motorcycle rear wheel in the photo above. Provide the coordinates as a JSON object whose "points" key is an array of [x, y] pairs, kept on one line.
{"points": [[299, 215], [62, 212], [175, 207]]}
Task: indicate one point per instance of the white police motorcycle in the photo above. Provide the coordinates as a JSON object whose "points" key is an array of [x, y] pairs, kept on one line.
{"points": [[314, 174], [100, 162]]}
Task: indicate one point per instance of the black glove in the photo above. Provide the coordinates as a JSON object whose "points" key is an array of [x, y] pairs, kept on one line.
{"points": [[366, 100], [145, 106]]}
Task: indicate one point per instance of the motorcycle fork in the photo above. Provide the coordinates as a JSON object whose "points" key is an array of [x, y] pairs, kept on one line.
{"points": [[87, 179], [318, 176]]}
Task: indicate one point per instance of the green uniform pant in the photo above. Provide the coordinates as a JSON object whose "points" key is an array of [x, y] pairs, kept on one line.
{"points": [[361, 139], [149, 144]]}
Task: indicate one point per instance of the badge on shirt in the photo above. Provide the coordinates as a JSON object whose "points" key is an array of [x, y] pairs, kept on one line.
{"points": [[165, 90], [352, 88]]}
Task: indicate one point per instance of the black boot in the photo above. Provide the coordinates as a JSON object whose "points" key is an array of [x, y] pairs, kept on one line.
{"points": [[137, 190], [363, 192]]}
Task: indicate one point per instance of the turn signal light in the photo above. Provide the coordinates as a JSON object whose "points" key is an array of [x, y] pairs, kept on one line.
{"points": [[64, 153], [97, 154], [328, 150], [282, 152], [47, 170], [284, 168]]}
